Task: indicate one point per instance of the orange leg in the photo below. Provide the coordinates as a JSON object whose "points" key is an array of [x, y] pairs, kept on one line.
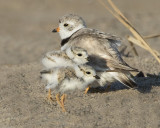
{"points": [[86, 90], [63, 97], [59, 102], [49, 95]]}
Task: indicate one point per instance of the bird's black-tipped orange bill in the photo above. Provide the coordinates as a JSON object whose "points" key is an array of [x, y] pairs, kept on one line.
{"points": [[56, 30]]}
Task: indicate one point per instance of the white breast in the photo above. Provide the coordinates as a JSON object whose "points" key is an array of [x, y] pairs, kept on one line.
{"points": [[71, 85], [52, 79]]}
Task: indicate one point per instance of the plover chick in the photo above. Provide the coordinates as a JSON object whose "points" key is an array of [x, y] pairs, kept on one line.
{"points": [[72, 55], [65, 79], [69, 57], [101, 47]]}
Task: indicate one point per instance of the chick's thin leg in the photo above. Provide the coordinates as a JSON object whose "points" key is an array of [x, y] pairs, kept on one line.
{"points": [[49, 97], [63, 97], [86, 90], [59, 102]]}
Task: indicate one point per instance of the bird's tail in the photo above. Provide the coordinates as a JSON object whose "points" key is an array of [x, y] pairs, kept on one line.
{"points": [[127, 79]]}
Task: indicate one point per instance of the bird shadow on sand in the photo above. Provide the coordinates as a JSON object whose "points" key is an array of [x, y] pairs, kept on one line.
{"points": [[144, 85]]}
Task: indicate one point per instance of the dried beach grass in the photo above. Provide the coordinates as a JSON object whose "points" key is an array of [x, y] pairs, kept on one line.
{"points": [[151, 36], [137, 39], [137, 42]]}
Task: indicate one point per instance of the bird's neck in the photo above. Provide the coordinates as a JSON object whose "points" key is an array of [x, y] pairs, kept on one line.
{"points": [[65, 36], [64, 41], [78, 72], [69, 53]]}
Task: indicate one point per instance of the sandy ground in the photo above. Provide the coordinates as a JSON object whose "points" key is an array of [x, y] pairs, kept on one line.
{"points": [[25, 36]]}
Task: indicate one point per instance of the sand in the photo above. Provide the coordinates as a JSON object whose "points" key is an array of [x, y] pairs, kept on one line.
{"points": [[25, 36]]}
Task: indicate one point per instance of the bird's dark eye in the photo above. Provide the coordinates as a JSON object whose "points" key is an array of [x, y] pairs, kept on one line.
{"points": [[65, 25], [88, 72], [79, 54]]}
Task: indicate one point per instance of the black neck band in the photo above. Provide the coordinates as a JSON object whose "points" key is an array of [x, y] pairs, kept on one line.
{"points": [[64, 41]]}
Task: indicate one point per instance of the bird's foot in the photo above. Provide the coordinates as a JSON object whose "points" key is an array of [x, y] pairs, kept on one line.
{"points": [[87, 89], [61, 103]]}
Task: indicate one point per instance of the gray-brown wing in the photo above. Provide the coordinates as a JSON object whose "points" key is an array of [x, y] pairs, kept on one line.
{"points": [[100, 47], [113, 39], [99, 40]]}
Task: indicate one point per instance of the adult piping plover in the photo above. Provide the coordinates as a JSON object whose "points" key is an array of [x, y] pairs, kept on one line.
{"points": [[101, 47], [64, 79], [65, 58]]}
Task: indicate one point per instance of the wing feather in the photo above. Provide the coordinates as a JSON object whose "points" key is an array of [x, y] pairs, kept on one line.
{"points": [[101, 45]]}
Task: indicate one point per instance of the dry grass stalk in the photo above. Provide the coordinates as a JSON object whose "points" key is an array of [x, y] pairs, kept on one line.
{"points": [[135, 41], [126, 22], [152, 36], [133, 48]]}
